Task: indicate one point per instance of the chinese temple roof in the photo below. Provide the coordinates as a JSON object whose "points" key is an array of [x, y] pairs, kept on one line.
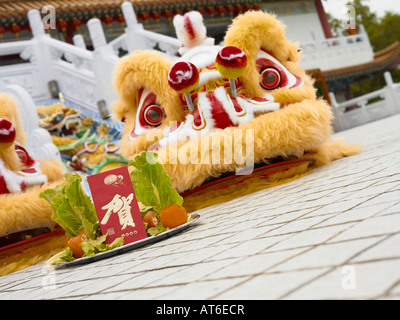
{"points": [[16, 11], [90, 8], [385, 59], [72, 13]]}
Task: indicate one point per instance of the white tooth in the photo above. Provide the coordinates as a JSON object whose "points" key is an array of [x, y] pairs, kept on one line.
{"points": [[269, 97], [166, 130], [185, 130], [258, 106]]}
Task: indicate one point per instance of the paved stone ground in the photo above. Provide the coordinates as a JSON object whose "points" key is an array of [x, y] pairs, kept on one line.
{"points": [[334, 234]]}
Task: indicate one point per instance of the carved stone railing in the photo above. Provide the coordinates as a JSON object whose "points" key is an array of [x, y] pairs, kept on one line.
{"points": [[84, 77], [335, 53], [137, 38], [367, 108]]}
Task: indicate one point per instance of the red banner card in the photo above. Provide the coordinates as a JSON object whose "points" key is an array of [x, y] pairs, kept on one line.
{"points": [[116, 205]]}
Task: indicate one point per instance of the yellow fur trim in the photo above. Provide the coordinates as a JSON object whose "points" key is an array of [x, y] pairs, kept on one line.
{"points": [[303, 123], [143, 69], [25, 210], [257, 30], [53, 169], [292, 130], [332, 150], [31, 256]]}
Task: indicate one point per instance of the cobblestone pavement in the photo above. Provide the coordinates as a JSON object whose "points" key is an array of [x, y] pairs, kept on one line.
{"points": [[333, 234]]}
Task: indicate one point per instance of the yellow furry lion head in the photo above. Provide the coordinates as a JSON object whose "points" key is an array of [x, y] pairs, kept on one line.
{"points": [[273, 102]]}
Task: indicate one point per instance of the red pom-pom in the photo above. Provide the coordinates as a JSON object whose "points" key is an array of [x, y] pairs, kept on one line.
{"points": [[183, 77], [231, 62]]}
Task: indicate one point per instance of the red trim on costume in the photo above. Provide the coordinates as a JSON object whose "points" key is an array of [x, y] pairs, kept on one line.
{"points": [[236, 105], [189, 27], [197, 120], [220, 116]]}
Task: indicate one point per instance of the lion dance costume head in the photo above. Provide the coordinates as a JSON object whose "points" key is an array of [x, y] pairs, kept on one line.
{"points": [[23, 214], [250, 91]]}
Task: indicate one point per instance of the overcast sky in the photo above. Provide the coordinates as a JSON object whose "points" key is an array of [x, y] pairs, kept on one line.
{"points": [[335, 7]]}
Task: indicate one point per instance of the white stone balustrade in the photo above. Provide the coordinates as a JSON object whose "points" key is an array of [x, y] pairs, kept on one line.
{"points": [[336, 53], [84, 77], [137, 38], [367, 108]]}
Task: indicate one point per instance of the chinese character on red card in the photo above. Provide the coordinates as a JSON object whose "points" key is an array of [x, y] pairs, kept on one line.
{"points": [[116, 205]]}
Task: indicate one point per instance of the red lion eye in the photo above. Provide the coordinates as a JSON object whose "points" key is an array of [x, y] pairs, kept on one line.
{"points": [[153, 115], [270, 78], [23, 156]]}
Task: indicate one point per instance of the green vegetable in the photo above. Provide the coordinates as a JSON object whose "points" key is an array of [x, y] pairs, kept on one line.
{"points": [[73, 209], [91, 247], [64, 256], [152, 184], [156, 230]]}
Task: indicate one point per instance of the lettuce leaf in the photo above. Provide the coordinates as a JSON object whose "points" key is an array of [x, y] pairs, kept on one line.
{"points": [[152, 184], [64, 256], [91, 247], [73, 210], [153, 231]]}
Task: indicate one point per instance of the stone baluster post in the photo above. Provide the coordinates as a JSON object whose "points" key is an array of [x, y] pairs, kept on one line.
{"points": [[338, 122], [392, 95], [104, 60], [41, 53], [129, 15], [133, 40], [79, 41]]}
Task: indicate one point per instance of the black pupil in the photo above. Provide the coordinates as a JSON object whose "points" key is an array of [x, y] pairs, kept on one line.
{"points": [[270, 78], [154, 115]]}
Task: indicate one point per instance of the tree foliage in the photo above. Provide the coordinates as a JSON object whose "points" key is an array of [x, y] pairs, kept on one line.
{"points": [[382, 33]]}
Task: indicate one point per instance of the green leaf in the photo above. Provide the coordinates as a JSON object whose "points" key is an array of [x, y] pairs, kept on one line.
{"points": [[91, 247], [152, 184], [82, 205], [64, 256], [65, 216], [72, 208], [156, 230]]}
